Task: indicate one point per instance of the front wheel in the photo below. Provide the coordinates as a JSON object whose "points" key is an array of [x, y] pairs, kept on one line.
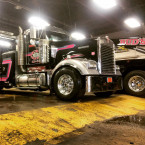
{"points": [[68, 84], [134, 83]]}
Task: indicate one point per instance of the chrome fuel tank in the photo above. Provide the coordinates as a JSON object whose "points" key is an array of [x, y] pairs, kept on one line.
{"points": [[31, 80]]}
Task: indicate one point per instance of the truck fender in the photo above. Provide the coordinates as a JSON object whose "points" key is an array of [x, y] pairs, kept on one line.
{"points": [[78, 64]]}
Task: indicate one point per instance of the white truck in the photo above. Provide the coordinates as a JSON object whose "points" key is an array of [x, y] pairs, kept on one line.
{"points": [[131, 60]]}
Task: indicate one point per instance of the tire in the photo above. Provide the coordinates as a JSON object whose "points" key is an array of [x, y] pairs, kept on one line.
{"points": [[104, 94], [68, 84], [134, 83]]}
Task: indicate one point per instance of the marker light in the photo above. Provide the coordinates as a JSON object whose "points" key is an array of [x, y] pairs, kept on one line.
{"points": [[38, 22], [5, 43], [78, 36], [132, 22], [106, 4]]}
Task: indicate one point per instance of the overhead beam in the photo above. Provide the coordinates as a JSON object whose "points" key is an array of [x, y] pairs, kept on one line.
{"points": [[33, 11]]}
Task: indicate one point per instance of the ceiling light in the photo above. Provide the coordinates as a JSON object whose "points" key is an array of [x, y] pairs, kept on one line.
{"points": [[17, 7], [132, 22], [106, 4], [38, 22], [54, 40], [78, 36], [5, 43]]}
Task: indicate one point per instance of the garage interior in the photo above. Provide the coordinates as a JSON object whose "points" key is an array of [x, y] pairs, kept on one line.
{"points": [[114, 115]]}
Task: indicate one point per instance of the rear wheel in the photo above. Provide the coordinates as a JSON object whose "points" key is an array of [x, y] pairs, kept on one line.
{"points": [[104, 94], [68, 84], [134, 83]]}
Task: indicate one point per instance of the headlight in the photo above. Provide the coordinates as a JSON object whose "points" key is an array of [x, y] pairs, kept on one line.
{"points": [[92, 64]]}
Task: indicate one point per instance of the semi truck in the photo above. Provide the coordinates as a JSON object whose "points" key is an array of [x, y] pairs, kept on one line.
{"points": [[41, 60], [131, 59]]}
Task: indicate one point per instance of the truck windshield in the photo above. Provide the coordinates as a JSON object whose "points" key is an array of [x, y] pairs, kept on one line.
{"points": [[54, 36]]}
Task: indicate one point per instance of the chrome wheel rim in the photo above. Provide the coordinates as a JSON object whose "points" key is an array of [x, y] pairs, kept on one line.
{"points": [[136, 83], [65, 84]]}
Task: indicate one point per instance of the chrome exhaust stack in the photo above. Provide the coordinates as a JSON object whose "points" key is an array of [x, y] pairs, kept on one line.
{"points": [[21, 50]]}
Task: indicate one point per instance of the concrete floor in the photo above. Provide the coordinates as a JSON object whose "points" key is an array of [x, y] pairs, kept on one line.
{"points": [[28, 117], [14, 100]]}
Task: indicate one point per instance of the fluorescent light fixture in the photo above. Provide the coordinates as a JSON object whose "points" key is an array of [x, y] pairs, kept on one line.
{"points": [[132, 22], [5, 43], [78, 36], [54, 40], [106, 4], [38, 22]]}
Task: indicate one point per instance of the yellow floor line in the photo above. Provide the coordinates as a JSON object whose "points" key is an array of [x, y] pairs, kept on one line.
{"points": [[48, 123]]}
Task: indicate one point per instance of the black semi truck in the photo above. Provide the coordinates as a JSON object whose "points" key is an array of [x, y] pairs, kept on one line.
{"points": [[68, 68]]}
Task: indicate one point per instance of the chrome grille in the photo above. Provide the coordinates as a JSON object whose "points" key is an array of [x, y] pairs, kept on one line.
{"points": [[107, 59]]}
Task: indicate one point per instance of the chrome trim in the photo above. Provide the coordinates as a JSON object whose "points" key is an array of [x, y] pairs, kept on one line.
{"points": [[21, 50], [49, 76], [99, 55], [136, 83], [78, 64], [106, 59], [65, 84], [114, 59], [88, 84], [31, 80], [44, 51]]}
